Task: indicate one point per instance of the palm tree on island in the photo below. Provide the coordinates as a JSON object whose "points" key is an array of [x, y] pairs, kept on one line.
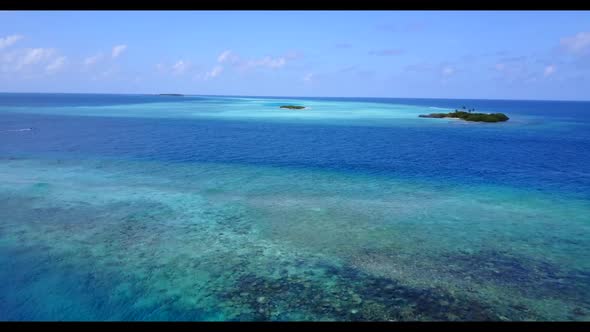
{"points": [[469, 115]]}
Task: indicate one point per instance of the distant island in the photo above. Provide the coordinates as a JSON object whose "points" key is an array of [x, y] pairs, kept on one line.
{"points": [[293, 107], [171, 94], [469, 116]]}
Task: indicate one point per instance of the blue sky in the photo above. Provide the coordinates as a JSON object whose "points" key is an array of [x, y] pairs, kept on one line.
{"points": [[430, 54]]}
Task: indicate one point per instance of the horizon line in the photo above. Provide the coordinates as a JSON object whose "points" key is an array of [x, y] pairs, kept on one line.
{"points": [[294, 97]]}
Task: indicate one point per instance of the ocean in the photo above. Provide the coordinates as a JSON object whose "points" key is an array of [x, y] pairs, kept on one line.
{"points": [[221, 208]]}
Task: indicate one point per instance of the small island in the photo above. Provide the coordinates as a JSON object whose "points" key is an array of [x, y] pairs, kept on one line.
{"points": [[293, 107], [171, 94], [469, 116]]}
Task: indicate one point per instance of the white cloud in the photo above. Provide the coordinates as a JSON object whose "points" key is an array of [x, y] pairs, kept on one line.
{"points": [[56, 64], [549, 70], [514, 69], [577, 44], [9, 40], [7, 62], [118, 50], [108, 72], [447, 71], [34, 56], [91, 60], [223, 56], [228, 56], [267, 61], [214, 72], [308, 77], [180, 67], [273, 63], [115, 53], [32, 61]]}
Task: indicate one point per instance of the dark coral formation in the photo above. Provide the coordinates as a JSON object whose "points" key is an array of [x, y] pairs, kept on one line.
{"points": [[346, 294], [534, 278]]}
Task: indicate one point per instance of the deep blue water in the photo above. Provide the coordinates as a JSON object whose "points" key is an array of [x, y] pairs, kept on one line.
{"points": [[528, 156]]}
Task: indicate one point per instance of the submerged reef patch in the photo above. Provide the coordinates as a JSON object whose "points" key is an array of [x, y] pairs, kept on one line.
{"points": [[533, 277]]}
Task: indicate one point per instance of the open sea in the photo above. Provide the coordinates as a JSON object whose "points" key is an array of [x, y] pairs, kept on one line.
{"points": [[209, 208]]}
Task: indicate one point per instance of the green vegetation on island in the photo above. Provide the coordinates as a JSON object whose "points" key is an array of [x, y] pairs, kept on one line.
{"points": [[293, 107], [468, 115]]}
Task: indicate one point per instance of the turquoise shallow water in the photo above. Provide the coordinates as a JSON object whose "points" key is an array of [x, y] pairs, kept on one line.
{"points": [[123, 217]]}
